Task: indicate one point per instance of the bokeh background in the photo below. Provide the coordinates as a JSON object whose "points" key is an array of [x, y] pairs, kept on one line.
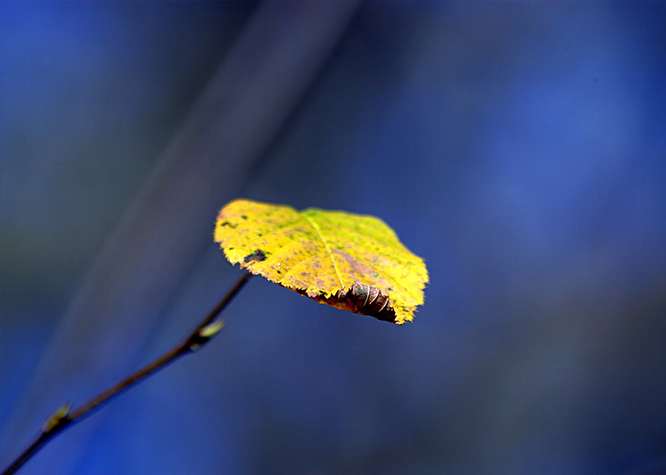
{"points": [[519, 148]]}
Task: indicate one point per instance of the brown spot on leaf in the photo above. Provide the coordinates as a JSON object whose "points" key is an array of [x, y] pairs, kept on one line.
{"points": [[362, 299], [257, 256], [369, 300]]}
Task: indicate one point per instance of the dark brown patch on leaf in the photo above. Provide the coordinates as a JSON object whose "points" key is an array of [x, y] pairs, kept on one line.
{"points": [[227, 223], [370, 300], [363, 299], [257, 256]]}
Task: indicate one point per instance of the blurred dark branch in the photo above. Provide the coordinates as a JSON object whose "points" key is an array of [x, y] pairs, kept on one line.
{"points": [[149, 256], [64, 417]]}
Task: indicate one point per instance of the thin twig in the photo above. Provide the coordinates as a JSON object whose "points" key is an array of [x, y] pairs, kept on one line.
{"points": [[64, 417]]}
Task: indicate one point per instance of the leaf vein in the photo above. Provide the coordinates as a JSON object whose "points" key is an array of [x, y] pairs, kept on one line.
{"points": [[328, 251]]}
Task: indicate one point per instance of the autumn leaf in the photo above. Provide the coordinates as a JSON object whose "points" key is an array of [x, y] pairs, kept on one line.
{"points": [[349, 261]]}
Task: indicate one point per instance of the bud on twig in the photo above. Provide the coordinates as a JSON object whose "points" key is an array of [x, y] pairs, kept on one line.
{"points": [[57, 418], [205, 334]]}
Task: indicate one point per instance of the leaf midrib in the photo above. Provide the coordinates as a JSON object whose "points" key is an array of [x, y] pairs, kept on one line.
{"points": [[328, 251]]}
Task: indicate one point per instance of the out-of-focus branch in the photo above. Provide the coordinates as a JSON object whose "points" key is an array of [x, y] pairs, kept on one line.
{"points": [[149, 255]]}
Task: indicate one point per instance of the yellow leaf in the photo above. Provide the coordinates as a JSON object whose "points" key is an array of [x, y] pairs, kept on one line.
{"points": [[349, 261]]}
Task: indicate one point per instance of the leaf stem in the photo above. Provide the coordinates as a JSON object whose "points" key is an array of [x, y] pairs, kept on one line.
{"points": [[64, 417]]}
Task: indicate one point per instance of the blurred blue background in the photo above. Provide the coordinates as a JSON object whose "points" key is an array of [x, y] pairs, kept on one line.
{"points": [[519, 148]]}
